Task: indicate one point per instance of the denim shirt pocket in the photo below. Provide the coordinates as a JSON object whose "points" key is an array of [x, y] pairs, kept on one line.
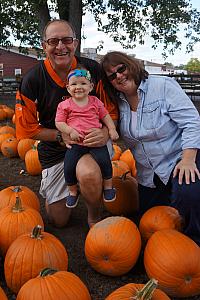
{"points": [[151, 115]]}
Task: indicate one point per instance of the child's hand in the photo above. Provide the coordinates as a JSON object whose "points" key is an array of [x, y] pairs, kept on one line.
{"points": [[75, 136], [113, 134]]}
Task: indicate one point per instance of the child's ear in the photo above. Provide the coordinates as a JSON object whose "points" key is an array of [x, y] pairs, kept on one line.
{"points": [[91, 86]]}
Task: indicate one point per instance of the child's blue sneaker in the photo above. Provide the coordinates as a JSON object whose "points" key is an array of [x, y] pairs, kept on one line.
{"points": [[109, 195], [72, 201]]}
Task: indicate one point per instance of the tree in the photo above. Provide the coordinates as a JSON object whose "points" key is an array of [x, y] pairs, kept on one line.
{"points": [[126, 21], [193, 65]]}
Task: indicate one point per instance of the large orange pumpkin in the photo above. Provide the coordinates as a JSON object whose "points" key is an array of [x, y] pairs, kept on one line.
{"points": [[9, 112], [138, 291], [174, 260], [23, 146], [159, 218], [2, 295], [16, 220], [27, 196], [52, 284], [9, 147], [113, 245], [117, 152], [128, 158], [29, 254], [5, 136], [33, 166], [119, 167], [126, 202], [3, 114]]}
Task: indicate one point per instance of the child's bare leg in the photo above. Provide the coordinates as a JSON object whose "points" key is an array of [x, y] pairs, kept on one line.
{"points": [[73, 189], [107, 184]]}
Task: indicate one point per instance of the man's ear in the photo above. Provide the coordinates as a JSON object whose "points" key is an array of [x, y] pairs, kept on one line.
{"points": [[76, 42], [44, 46]]}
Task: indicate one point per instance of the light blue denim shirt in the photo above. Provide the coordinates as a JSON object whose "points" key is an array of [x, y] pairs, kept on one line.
{"points": [[167, 123]]}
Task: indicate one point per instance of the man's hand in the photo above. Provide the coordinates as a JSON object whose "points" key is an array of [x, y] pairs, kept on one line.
{"points": [[96, 137], [186, 169]]}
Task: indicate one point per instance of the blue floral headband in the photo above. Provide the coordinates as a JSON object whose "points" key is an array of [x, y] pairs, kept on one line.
{"points": [[80, 73]]}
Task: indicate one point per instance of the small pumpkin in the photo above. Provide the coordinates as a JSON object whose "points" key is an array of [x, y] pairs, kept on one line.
{"points": [[27, 196], [2, 294], [29, 254], [113, 245], [33, 166], [23, 146], [117, 152], [9, 147], [7, 129], [4, 137], [52, 284], [9, 112], [3, 114], [159, 218], [173, 259], [126, 202], [138, 291], [119, 167], [16, 220], [128, 158]]}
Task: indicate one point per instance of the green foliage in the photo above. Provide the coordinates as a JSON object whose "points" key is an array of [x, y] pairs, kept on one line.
{"points": [[126, 21], [193, 65]]}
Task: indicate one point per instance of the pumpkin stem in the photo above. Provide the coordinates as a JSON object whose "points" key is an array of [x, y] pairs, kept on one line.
{"points": [[36, 232], [123, 177], [17, 189], [18, 205], [147, 291], [47, 271]]}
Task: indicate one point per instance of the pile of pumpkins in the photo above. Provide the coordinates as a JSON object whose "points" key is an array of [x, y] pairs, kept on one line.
{"points": [[36, 262], [26, 149]]}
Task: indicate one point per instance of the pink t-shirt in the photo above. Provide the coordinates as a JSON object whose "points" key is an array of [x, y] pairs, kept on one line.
{"points": [[84, 117]]}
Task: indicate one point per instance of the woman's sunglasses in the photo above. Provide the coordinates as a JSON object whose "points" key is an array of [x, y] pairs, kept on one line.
{"points": [[120, 70]]}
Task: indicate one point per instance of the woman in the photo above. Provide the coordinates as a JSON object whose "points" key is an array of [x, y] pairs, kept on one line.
{"points": [[161, 126]]}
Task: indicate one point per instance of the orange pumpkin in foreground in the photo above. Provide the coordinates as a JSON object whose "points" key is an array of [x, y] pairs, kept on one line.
{"points": [[126, 202], [173, 259], [159, 218], [119, 167], [9, 147], [113, 245], [138, 291], [23, 146], [52, 284], [29, 254], [27, 196]]}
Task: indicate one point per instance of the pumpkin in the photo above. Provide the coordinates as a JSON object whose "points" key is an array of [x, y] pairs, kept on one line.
{"points": [[23, 146], [52, 284], [7, 129], [126, 202], [4, 137], [16, 220], [9, 147], [119, 167], [128, 158], [117, 152], [159, 218], [29, 254], [33, 166], [113, 245], [2, 295], [9, 112], [138, 291], [3, 114], [173, 259], [27, 196]]}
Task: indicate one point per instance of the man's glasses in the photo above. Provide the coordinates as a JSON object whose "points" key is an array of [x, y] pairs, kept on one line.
{"points": [[55, 41], [120, 70]]}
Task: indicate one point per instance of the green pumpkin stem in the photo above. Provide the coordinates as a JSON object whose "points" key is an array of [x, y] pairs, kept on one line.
{"points": [[18, 205], [47, 271], [36, 232], [147, 291]]}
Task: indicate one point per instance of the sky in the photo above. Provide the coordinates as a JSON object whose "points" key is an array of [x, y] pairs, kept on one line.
{"points": [[145, 52]]}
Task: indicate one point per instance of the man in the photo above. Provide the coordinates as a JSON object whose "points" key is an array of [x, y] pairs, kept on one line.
{"points": [[41, 89]]}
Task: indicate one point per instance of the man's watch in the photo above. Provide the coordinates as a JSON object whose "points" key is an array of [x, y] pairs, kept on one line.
{"points": [[59, 138]]}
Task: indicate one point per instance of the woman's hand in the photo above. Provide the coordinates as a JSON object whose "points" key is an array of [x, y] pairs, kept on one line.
{"points": [[186, 167], [96, 137]]}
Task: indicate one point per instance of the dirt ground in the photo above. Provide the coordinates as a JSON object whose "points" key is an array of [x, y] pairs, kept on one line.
{"points": [[73, 238]]}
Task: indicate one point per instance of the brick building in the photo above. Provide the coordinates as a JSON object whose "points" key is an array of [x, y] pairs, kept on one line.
{"points": [[13, 63]]}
